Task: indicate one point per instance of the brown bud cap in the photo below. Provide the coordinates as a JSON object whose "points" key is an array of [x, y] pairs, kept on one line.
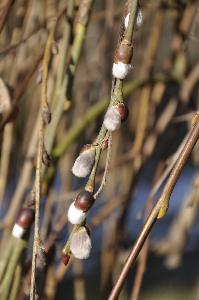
{"points": [[65, 258], [123, 111], [124, 54], [26, 217], [84, 200]]}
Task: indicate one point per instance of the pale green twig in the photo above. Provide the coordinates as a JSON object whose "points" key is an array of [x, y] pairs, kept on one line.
{"points": [[37, 184]]}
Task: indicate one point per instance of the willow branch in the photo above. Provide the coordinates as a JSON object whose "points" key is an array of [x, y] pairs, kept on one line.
{"points": [[159, 209], [37, 185]]}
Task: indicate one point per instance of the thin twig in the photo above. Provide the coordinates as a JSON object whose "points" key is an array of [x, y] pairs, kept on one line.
{"points": [[106, 167], [37, 185], [144, 253], [159, 209]]}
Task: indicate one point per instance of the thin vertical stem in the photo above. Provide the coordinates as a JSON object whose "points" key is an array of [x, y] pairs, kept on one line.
{"points": [[37, 185]]}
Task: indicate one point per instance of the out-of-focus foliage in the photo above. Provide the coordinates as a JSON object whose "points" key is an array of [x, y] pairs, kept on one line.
{"points": [[161, 92]]}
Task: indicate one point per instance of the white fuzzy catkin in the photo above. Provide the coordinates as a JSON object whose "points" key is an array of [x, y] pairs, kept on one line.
{"points": [[18, 231], [120, 70], [80, 244], [75, 215], [112, 119], [139, 19], [84, 163]]}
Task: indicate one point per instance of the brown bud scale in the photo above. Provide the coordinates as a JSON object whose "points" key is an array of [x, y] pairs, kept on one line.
{"points": [[84, 201], [26, 217], [124, 54], [65, 258], [123, 111]]}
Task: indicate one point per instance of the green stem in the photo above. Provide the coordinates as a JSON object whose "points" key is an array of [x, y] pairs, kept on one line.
{"points": [[16, 283], [128, 34], [90, 186], [66, 248], [17, 249], [5, 258]]}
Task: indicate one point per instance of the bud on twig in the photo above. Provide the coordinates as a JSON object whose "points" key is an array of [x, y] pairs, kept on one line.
{"points": [[65, 258], [41, 257], [23, 223], [139, 19], [112, 119], [123, 110], [114, 116], [46, 115], [84, 200], [75, 215], [120, 70], [84, 162], [122, 59], [46, 159], [123, 53], [80, 243]]}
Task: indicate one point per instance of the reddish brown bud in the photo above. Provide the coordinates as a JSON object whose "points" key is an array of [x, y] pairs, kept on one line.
{"points": [[123, 54], [26, 217], [65, 258], [84, 200], [123, 110]]}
